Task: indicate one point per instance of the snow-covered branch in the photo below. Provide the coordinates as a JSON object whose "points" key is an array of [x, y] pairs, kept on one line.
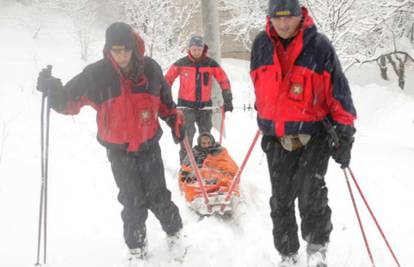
{"points": [[165, 37]]}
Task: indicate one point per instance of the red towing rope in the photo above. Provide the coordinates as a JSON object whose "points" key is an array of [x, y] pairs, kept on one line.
{"points": [[196, 171], [236, 180], [372, 216]]}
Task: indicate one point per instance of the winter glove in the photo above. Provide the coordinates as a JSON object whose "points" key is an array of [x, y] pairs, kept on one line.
{"points": [[178, 128], [342, 151], [46, 82], [228, 100], [342, 138]]}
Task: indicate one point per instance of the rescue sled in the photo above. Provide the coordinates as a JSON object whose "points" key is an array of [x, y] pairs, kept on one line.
{"points": [[212, 198], [208, 191]]}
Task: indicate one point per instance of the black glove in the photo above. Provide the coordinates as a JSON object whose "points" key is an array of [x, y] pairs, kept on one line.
{"points": [[46, 82], [228, 100], [340, 138], [342, 152]]}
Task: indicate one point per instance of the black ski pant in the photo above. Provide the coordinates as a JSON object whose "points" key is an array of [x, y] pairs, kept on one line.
{"points": [[298, 174], [141, 182], [191, 117]]}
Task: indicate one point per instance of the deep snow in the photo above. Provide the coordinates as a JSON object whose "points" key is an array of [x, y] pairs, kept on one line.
{"points": [[85, 227]]}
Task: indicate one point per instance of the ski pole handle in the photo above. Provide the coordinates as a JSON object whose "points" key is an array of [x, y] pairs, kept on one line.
{"points": [[49, 70], [44, 76]]}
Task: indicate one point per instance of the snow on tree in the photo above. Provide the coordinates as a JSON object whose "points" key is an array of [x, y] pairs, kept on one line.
{"points": [[359, 30], [247, 18], [389, 40], [83, 14], [162, 24], [339, 21]]}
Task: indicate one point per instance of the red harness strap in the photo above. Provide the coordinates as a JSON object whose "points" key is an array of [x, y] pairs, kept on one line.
{"points": [[197, 171], [236, 181]]}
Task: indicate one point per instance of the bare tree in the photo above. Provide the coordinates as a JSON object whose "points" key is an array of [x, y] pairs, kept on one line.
{"points": [[358, 29], [247, 18], [83, 14], [162, 24], [398, 61]]}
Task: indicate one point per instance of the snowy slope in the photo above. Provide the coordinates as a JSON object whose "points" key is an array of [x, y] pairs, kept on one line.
{"points": [[85, 227]]}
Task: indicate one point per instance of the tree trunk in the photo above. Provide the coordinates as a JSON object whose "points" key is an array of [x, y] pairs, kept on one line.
{"points": [[210, 21], [382, 63]]}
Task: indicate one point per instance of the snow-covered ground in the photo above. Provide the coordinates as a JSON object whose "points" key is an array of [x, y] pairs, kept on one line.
{"points": [[84, 225]]}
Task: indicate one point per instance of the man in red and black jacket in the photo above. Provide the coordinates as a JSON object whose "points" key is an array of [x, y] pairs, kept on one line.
{"points": [[196, 71], [129, 93], [300, 88]]}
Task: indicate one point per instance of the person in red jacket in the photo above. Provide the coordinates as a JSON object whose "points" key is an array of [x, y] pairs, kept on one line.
{"points": [[129, 93], [300, 88], [196, 71]]}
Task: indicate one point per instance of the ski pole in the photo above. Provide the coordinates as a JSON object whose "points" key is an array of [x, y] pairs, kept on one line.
{"points": [[373, 216], [196, 171], [333, 142], [223, 118], [359, 219], [44, 149], [236, 180]]}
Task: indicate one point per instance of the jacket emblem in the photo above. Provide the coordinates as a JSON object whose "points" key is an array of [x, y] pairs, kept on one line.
{"points": [[296, 89], [145, 115]]}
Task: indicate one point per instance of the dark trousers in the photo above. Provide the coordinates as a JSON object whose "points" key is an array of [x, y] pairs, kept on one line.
{"points": [[195, 116], [298, 174], [141, 182]]}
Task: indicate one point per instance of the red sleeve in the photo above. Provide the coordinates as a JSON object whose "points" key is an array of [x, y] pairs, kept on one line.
{"points": [[221, 78], [73, 107], [172, 74], [338, 93]]}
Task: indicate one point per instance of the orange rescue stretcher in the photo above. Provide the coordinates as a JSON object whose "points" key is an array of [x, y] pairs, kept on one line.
{"points": [[211, 193], [216, 185]]}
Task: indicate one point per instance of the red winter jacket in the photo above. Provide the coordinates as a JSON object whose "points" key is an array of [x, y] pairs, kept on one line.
{"points": [[195, 79], [127, 111], [296, 98]]}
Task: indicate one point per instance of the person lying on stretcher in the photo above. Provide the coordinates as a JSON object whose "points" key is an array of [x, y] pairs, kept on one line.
{"points": [[216, 167]]}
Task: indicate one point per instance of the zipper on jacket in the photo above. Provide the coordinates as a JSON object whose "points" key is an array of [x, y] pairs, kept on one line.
{"points": [[198, 86]]}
